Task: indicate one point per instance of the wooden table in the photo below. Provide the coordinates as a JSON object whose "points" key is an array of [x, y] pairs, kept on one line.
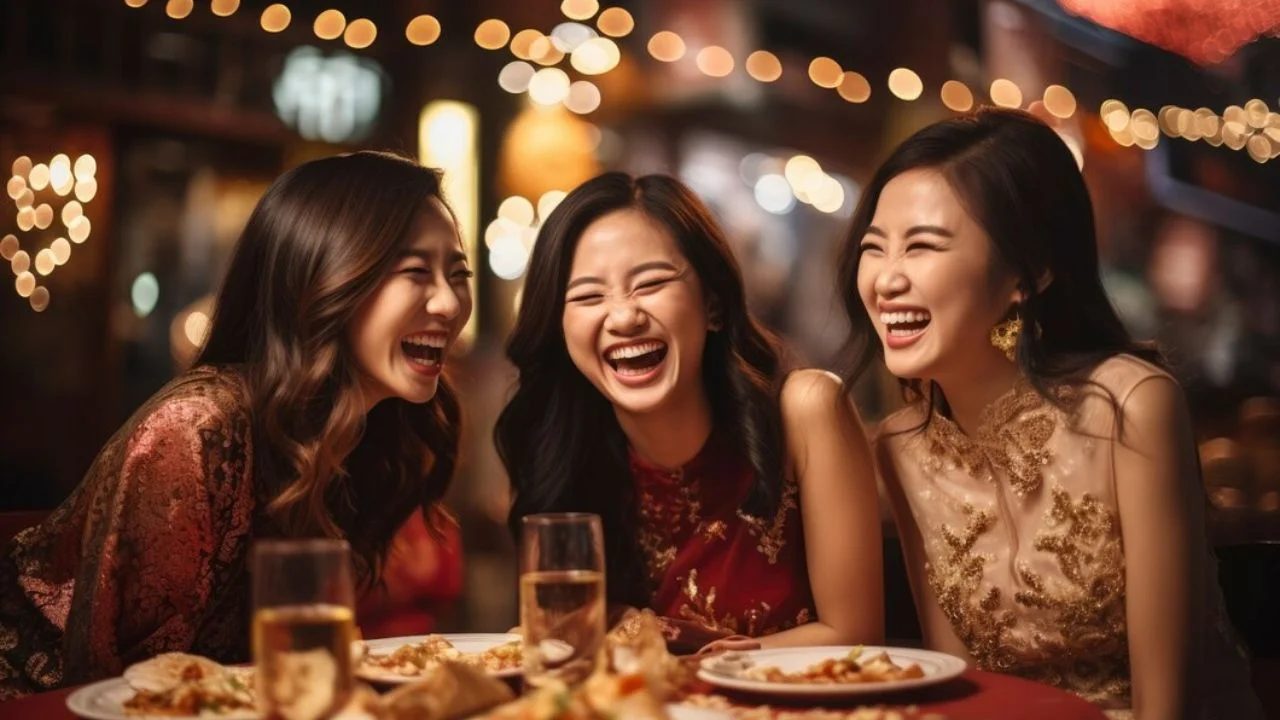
{"points": [[973, 696]]}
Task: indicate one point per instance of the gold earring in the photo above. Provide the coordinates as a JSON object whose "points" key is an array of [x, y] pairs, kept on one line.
{"points": [[1004, 337]]}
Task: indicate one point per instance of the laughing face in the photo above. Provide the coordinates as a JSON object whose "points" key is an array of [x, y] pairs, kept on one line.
{"points": [[931, 282], [402, 333], [635, 318]]}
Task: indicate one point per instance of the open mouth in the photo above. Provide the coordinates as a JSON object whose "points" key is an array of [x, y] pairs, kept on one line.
{"points": [[425, 350], [636, 360], [903, 324]]}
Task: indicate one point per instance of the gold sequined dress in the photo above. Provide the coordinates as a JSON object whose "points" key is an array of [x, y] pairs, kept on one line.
{"points": [[716, 571], [1022, 544]]}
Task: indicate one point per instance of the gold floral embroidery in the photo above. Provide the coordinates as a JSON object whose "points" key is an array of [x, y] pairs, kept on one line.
{"points": [[714, 530], [957, 578], [1087, 649], [660, 521], [1082, 644], [1010, 438], [770, 535], [700, 607]]}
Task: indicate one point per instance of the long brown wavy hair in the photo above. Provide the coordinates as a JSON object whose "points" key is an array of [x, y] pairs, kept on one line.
{"points": [[319, 243]]}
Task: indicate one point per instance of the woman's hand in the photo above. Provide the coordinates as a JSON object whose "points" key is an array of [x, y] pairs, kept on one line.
{"points": [[732, 643]]}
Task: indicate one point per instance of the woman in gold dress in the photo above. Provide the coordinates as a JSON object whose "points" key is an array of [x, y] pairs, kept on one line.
{"points": [[316, 409], [1043, 474]]}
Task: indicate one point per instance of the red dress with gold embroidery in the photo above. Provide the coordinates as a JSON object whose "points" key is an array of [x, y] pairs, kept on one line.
{"points": [[717, 571]]}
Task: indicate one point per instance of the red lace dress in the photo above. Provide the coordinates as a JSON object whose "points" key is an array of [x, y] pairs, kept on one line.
{"points": [[716, 570], [150, 552]]}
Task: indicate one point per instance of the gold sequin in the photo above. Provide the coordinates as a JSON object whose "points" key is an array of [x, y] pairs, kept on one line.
{"points": [[714, 530], [1010, 439]]}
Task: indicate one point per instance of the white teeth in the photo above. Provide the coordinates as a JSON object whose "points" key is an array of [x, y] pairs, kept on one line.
{"points": [[434, 341], [895, 318], [424, 361], [631, 351]]}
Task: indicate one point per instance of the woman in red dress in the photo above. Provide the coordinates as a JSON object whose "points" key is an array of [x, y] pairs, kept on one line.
{"points": [[737, 499], [316, 409]]}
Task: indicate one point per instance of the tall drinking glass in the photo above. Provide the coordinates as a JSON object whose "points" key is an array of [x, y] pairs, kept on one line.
{"points": [[562, 599], [303, 627]]}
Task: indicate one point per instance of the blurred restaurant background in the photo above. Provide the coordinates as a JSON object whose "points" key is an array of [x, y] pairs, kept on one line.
{"points": [[136, 136]]}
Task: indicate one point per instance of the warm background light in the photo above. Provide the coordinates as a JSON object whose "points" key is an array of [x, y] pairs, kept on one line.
{"points": [[825, 72], [583, 98], [905, 84], [224, 8], [854, 87], [579, 9], [492, 34], [360, 34], [178, 9], [1059, 101], [666, 46], [615, 22], [956, 96], [329, 25], [275, 18], [1005, 93], [764, 66], [422, 30], [715, 61]]}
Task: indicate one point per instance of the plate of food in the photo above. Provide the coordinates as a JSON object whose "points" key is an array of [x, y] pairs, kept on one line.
{"points": [[829, 671], [400, 660], [172, 685]]}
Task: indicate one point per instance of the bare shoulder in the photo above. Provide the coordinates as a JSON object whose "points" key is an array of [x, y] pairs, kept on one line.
{"points": [[1122, 374], [1136, 388], [811, 394]]}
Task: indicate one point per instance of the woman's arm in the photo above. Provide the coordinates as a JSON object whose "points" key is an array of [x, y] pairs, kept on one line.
{"points": [[839, 506], [1157, 489]]}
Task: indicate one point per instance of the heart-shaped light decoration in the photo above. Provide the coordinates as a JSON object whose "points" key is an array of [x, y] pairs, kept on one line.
{"points": [[42, 195]]}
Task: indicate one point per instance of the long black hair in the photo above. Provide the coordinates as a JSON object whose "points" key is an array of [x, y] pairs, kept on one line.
{"points": [[1020, 182], [558, 436]]}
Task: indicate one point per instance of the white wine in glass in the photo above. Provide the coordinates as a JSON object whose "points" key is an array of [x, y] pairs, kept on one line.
{"points": [[303, 628], [562, 597]]}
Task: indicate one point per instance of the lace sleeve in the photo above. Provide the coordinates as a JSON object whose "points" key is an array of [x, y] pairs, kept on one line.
{"points": [[159, 537]]}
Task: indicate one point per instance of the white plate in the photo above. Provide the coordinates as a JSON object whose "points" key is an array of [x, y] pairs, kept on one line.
{"points": [[938, 667], [105, 701], [467, 643], [676, 711]]}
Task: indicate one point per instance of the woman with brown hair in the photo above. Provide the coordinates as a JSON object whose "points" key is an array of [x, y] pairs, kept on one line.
{"points": [[316, 409]]}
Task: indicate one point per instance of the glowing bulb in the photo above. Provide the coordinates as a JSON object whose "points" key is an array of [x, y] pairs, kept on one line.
{"points": [[666, 46], [275, 18], [825, 72], [1005, 93], [905, 84], [854, 87], [615, 22], [549, 86], [715, 61], [423, 30], [764, 66]]}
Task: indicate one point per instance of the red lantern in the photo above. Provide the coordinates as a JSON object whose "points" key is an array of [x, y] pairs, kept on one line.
{"points": [[1203, 31]]}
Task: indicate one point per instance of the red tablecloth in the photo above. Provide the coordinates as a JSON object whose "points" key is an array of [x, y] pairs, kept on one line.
{"points": [[973, 696]]}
